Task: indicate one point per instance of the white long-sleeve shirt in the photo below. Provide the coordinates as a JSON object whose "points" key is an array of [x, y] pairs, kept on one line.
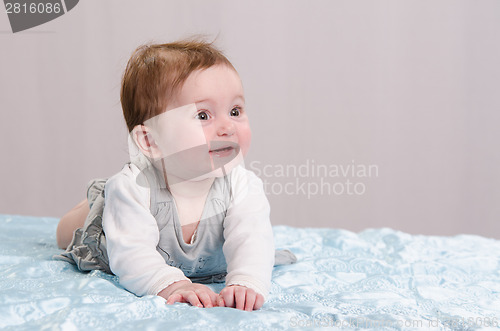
{"points": [[132, 235]]}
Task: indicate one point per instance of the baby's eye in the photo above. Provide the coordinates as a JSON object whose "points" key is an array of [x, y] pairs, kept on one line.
{"points": [[236, 111], [202, 116]]}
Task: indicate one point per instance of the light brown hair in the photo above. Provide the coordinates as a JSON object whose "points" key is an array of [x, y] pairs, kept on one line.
{"points": [[155, 72]]}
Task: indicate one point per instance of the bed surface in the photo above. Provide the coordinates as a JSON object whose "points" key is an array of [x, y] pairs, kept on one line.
{"points": [[376, 279]]}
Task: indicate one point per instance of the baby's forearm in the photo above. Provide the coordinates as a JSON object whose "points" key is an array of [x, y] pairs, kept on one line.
{"points": [[248, 236]]}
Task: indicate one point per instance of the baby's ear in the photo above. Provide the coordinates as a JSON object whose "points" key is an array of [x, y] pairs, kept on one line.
{"points": [[144, 140]]}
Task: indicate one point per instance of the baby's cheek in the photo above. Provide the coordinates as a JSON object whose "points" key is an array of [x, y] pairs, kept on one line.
{"points": [[244, 139]]}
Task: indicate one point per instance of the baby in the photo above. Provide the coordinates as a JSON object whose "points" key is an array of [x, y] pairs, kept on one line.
{"points": [[184, 211]]}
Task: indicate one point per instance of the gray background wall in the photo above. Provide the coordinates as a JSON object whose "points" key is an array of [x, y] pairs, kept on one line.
{"points": [[410, 87]]}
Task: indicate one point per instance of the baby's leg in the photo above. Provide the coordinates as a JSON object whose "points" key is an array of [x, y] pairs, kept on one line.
{"points": [[73, 220]]}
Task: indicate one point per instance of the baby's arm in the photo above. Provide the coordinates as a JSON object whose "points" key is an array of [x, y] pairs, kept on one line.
{"points": [[248, 244], [132, 236]]}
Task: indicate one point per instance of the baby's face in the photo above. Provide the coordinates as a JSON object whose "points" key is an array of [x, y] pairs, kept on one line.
{"points": [[206, 127]]}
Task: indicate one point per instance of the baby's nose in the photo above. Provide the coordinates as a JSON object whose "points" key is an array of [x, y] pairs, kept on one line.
{"points": [[225, 127]]}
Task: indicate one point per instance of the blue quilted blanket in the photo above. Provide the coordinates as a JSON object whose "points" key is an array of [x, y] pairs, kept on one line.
{"points": [[376, 279]]}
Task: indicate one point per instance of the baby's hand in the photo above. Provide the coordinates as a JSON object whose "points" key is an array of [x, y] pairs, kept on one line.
{"points": [[240, 297], [184, 291]]}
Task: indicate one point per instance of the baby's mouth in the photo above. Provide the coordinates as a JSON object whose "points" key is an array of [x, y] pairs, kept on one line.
{"points": [[223, 149], [222, 152]]}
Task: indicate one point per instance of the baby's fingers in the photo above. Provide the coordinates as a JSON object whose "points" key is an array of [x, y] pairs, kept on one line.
{"points": [[192, 298], [240, 296], [226, 297], [187, 296], [174, 298], [250, 300], [259, 302], [206, 299]]}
